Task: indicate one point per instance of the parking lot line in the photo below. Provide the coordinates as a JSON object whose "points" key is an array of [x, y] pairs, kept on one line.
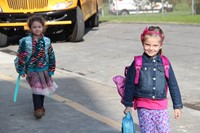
{"points": [[70, 103]]}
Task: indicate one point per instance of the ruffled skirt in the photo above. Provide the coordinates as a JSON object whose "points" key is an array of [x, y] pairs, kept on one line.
{"points": [[41, 83]]}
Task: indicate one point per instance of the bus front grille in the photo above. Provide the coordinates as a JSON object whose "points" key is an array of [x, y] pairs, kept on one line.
{"points": [[27, 4]]}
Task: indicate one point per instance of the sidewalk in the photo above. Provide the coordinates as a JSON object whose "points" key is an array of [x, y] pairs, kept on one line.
{"points": [[80, 105]]}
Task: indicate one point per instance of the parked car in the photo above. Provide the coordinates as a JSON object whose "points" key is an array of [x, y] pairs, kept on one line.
{"points": [[125, 7]]}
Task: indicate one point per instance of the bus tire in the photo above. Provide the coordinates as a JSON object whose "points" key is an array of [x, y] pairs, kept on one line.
{"points": [[3, 39], [79, 27], [95, 20]]}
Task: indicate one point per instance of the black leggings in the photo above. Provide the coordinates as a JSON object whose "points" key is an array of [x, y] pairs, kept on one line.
{"points": [[38, 101]]}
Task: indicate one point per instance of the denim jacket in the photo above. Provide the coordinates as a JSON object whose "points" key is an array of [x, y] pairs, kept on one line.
{"points": [[152, 82]]}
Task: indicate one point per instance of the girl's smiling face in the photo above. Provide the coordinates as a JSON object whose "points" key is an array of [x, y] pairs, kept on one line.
{"points": [[36, 28], [152, 45]]}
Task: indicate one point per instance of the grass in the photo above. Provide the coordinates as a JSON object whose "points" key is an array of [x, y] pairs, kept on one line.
{"points": [[184, 19], [181, 14]]}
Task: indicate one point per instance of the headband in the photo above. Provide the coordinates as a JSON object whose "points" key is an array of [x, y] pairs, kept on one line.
{"points": [[146, 32]]}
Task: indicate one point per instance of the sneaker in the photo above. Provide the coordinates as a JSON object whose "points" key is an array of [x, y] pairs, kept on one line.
{"points": [[39, 113]]}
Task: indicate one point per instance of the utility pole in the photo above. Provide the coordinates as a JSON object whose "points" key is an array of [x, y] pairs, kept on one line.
{"points": [[162, 6], [137, 7], [117, 7], [193, 9]]}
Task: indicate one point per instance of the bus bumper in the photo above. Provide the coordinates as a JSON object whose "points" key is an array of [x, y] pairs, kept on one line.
{"points": [[10, 20], [24, 24]]}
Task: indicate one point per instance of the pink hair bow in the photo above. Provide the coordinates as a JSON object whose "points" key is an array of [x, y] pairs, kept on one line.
{"points": [[146, 32]]}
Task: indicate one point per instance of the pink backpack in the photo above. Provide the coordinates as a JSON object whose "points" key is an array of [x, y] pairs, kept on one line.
{"points": [[120, 80]]}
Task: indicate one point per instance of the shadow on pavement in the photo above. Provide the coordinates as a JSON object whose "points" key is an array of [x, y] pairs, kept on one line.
{"points": [[18, 117]]}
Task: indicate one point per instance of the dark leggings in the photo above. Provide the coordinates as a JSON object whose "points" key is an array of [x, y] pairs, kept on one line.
{"points": [[38, 101]]}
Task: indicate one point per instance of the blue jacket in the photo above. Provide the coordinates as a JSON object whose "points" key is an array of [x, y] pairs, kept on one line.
{"points": [[152, 82]]}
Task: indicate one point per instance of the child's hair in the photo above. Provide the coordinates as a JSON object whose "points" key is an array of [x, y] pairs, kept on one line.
{"points": [[37, 18], [153, 31]]}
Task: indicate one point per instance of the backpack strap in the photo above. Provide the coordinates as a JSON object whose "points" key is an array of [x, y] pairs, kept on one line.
{"points": [[166, 65], [47, 44], [29, 47], [126, 70], [138, 66]]}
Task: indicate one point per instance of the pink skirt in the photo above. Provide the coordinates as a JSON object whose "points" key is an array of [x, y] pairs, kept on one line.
{"points": [[41, 83]]}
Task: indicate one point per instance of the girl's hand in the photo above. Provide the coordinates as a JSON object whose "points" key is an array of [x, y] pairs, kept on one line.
{"points": [[23, 75], [177, 113], [128, 109]]}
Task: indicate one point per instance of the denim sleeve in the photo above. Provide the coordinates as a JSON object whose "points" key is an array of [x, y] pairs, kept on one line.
{"points": [[174, 90], [129, 86]]}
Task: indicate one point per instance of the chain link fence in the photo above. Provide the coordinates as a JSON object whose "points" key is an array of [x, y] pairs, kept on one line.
{"points": [[137, 7]]}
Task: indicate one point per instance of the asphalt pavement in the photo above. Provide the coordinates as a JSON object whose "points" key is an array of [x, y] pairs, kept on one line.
{"points": [[82, 104]]}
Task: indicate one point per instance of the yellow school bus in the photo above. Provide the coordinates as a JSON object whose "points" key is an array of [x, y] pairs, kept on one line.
{"points": [[67, 16]]}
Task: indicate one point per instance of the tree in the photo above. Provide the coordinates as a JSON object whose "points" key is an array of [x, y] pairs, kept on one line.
{"points": [[174, 2]]}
